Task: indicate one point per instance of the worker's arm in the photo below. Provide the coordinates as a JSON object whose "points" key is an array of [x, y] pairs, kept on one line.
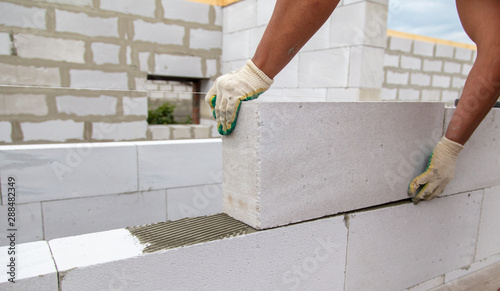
{"points": [[292, 24], [482, 88]]}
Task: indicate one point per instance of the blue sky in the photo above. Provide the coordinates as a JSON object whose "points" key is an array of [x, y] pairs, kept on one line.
{"points": [[434, 18]]}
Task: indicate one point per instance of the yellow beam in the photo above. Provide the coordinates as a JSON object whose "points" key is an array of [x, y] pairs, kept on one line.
{"points": [[400, 34], [216, 2]]}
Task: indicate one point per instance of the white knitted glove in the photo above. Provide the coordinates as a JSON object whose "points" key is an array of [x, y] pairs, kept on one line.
{"points": [[229, 90], [439, 172]]}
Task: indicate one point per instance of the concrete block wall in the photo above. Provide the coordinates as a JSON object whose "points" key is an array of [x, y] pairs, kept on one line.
{"points": [[343, 61], [418, 68], [72, 189], [395, 247], [104, 47]]}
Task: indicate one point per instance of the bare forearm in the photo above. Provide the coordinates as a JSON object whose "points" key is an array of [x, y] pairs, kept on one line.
{"points": [[293, 23]]}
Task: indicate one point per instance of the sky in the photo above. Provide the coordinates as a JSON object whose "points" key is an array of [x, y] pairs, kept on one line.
{"points": [[434, 18]]}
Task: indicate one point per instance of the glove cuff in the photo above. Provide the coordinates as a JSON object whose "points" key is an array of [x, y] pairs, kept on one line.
{"points": [[257, 78], [451, 147]]}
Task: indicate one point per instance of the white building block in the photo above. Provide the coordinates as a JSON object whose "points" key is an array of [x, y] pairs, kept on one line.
{"points": [[441, 81], [411, 63], [135, 106], [144, 8], [53, 172], [92, 79], [304, 94], [478, 165], [423, 48], [57, 49], [270, 180], [194, 201], [158, 32], [186, 11], [132, 130], [35, 269], [420, 79], [400, 44], [180, 131], [452, 67], [325, 68], [82, 23], [265, 9], [70, 2], [362, 23], [444, 51], [22, 16], [5, 131], [348, 94], [52, 130], [5, 44], [431, 95], [489, 228], [171, 164], [365, 67], [85, 106], [23, 104], [389, 94], [308, 256], [159, 132], [463, 54], [240, 16], [320, 40], [397, 78], [70, 217], [211, 68], [28, 222], [200, 131], [185, 66], [433, 66], [449, 96], [144, 61], [236, 46], [466, 69], [205, 39], [397, 247], [105, 53], [458, 82], [409, 94], [289, 76], [29, 75], [391, 60]]}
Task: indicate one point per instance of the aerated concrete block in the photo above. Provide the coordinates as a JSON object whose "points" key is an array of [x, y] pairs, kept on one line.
{"points": [[22, 16], [57, 49], [35, 269], [70, 217], [308, 256], [53, 172], [28, 222], [488, 242], [478, 165], [194, 201], [396, 247], [85, 24], [289, 162]]}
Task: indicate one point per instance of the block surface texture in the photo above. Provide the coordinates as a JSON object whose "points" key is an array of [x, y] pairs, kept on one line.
{"points": [[289, 162]]}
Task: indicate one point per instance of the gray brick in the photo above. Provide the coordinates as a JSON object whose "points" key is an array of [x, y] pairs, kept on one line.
{"points": [[441, 81], [400, 44], [423, 48], [397, 78], [432, 66]]}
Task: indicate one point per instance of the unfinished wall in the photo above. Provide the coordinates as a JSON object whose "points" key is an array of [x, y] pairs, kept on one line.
{"points": [[96, 50], [419, 68], [81, 188]]}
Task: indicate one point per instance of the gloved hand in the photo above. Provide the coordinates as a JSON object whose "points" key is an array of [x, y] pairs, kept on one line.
{"points": [[229, 90], [439, 172]]}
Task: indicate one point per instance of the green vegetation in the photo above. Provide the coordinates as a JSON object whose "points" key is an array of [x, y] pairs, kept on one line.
{"points": [[164, 114]]}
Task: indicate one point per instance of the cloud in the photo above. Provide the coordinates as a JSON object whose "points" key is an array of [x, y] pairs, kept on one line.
{"points": [[434, 18]]}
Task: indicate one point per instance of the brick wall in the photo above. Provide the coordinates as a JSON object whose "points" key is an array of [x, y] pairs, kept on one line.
{"points": [[96, 51], [425, 70]]}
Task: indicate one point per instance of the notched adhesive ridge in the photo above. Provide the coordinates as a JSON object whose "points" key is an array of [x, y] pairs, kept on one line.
{"points": [[188, 231]]}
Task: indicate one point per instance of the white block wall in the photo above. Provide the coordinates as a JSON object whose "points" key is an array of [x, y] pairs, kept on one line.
{"points": [[81, 188], [417, 70], [99, 46]]}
